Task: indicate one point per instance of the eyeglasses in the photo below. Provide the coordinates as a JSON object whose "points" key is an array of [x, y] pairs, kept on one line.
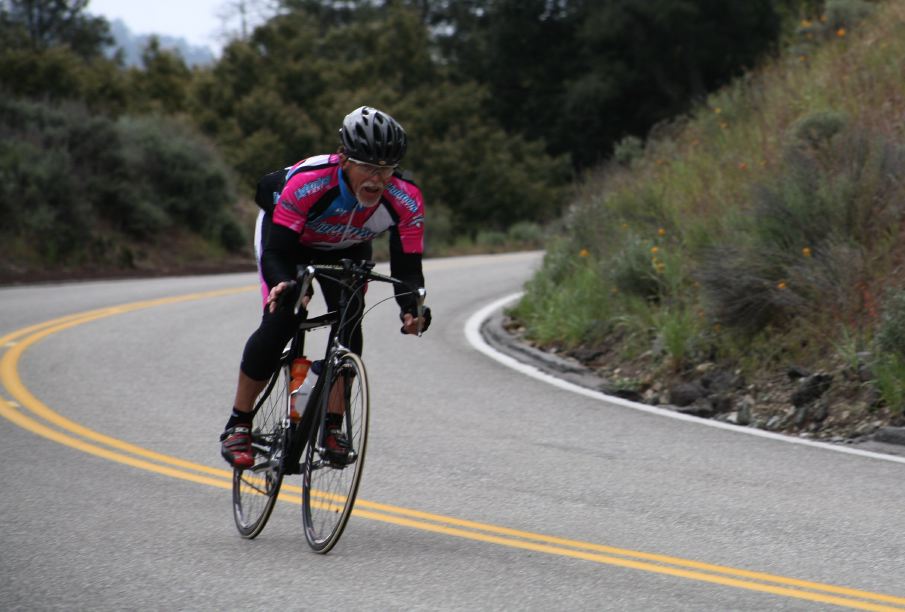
{"points": [[383, 172]]}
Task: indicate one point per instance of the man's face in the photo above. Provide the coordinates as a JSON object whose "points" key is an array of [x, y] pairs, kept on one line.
{"points": [[367, 180]]}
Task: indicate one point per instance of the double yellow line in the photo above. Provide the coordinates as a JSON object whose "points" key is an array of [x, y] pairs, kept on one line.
{"points": [[24, 406]]}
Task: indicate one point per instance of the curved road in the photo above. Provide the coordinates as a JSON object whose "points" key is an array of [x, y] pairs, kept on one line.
{"points": [[484, 489]]}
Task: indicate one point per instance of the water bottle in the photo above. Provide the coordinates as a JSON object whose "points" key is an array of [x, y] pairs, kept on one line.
{"points": [[303, 378], [298, 374]]}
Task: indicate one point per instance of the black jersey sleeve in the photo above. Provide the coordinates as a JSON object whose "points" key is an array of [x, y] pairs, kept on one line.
{"points": [[278, 258], [406, 267]]}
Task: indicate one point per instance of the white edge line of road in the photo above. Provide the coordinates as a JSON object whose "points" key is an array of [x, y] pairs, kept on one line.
{"points": [[473, 335]]}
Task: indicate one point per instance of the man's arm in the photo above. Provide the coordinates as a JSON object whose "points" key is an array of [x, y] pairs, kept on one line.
{"points": [[406, 267], [278, 258]]}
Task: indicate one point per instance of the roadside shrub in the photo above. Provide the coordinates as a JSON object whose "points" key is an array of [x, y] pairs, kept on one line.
{"points": [[816, 131], [744, 291], [570, 305], [810, 240], [838, 18], [632, 270], [68, 178], [890, 335], [846, 13], [232, 236], [628, 150], [36, 197], [490, 239], [678, 333], [142, 217], [438, 231], [889, 380], [179, 173], [526, 234]]}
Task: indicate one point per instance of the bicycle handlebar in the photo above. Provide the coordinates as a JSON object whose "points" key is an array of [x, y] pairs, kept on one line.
{"points": [[363, 271]]}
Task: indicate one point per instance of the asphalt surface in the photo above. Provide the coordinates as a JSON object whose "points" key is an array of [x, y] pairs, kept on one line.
{"points": [[484, 489]]}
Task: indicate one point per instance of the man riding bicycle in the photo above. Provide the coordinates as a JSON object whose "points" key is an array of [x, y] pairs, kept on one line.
{"points": [[322, 210]]}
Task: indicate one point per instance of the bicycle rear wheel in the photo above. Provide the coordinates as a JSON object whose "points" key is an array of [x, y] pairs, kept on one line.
{"points": [[255, 490], [329, 488]]}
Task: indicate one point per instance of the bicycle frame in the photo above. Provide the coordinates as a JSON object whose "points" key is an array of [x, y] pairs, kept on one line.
{"points": [[352, 280]]}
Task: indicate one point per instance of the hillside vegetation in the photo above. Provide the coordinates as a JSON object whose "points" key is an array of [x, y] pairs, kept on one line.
{"points": [[750, 254], [83, 191], [106, 166]]}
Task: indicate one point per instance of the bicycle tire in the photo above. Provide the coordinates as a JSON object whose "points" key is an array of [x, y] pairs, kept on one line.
{"points": [[328, 489], [255, 490]]}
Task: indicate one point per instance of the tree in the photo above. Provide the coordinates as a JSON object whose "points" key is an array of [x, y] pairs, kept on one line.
{"points": [[580, 74], [47, 23], [282, 94], [163, 84], [50, 49], [239, 17], [644, 61]]}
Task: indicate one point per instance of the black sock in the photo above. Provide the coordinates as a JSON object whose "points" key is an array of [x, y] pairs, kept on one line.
{"points": [[238, 418]]}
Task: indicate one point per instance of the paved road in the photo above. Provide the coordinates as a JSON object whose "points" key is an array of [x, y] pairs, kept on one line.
{"points": [[484, 489]]}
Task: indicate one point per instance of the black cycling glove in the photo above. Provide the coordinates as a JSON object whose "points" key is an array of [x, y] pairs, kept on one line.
{"points": [[290, 295], [425, 318]]}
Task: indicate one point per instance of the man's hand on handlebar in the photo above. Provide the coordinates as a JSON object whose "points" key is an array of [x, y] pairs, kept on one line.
{"points": [[284, 293], [410, 323]]}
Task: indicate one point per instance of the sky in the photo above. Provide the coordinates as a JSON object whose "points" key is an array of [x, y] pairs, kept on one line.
{"points": [[195, 20]]}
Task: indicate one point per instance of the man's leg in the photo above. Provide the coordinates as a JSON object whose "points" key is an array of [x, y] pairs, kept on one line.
{"points": [[259, 360]]}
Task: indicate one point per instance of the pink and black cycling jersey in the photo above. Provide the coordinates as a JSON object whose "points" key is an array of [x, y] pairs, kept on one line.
{"points": [[310, 215], [317, 203]]}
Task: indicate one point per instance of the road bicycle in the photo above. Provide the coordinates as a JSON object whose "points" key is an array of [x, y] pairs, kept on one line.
{"points": [[287, 442]]}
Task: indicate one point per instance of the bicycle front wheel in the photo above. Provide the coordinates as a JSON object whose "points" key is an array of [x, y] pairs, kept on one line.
{"points": [[329, 486], [255, 490]]}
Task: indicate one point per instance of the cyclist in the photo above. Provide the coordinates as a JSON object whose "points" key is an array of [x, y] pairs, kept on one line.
{"points": [[319, 211]]}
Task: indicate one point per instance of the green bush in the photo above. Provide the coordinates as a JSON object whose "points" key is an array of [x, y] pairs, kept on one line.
{"points": [[67, 176], [744, 291], [678, 332], [40, 181], [890, 336], [568, 306], [632, 269], [232, 236], [889, 379], [490, 239], [815, 228], [179, 173], [846, 13], [816, 131], [438, 231], [628, 150], [526, 234]]}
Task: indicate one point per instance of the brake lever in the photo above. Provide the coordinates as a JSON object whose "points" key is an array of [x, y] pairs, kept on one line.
{"points": [[422, 294], [307, 275]]}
